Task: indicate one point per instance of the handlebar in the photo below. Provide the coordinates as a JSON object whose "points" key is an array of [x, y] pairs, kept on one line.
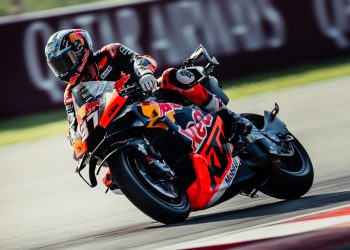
{"points": [[201, 51], [136, 93]]}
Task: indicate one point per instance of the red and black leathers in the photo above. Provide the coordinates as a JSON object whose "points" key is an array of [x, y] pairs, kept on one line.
{"points": [[186, 82], [116, 62], [113, 62]]}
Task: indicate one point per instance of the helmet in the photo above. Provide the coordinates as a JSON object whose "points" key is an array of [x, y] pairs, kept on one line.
{"points": [[68, 53]]}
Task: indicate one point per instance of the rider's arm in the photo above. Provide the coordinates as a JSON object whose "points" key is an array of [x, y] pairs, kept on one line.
{"points": [[126, 57], [144, 65]]}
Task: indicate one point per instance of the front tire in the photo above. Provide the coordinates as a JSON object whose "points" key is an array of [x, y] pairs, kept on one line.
{"points": [[161, 201]]}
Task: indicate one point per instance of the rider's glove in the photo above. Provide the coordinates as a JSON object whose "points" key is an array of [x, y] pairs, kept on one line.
{"points": [[148, 82], [234, 123], [241, 125]]}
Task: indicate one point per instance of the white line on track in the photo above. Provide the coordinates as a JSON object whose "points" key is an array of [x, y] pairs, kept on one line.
{"points": [[267, 230]]}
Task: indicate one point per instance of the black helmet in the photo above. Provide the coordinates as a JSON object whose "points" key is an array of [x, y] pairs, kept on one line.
{"points": [[68, 53]]}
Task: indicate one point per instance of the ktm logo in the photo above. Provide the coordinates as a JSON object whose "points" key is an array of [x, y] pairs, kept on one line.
{"points": [[113, 109]]}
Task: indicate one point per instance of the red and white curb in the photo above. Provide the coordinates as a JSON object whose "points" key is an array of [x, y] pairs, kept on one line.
{"points": [[331, 226]]}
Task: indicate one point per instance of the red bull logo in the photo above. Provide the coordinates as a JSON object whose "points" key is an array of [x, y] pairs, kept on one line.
{"points": [[92, 106]]}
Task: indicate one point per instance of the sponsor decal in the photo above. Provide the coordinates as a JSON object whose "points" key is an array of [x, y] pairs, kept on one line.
{"points": [[236, 161], [113, 50], [84, 60], [155, 110], [185, 76], [185, 73], [126, 51], [69, 108], [68, 100], [231, 173], [198, 131], [106, 72], [197, 115], [113, 109], [92, 106], [101, 87], [86, 94], [166, 108], [118, 85], [86, 109]]}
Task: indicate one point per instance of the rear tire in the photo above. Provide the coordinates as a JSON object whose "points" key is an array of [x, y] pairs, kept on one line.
{"points": [[162, 202], [295, 176]]}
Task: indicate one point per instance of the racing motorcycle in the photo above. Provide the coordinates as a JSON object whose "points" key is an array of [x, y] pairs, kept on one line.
{"points": [[171, 157]]}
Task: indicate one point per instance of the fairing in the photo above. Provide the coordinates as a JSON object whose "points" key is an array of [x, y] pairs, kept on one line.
{"points": [[95, 104], [211, 155], [98, 103]]}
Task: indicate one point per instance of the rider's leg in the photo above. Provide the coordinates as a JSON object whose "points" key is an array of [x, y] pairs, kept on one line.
{"points": [[187, 84]]}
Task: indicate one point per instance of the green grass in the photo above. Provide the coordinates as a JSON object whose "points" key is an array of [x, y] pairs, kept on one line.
{"points": [[54, 123], [294, 77], [32, 127]]}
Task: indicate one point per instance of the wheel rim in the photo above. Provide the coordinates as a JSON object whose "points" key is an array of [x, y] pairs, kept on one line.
{"points": [[164, 190], [296, 164]]}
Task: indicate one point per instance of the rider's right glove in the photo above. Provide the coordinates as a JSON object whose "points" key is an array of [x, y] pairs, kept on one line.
{"points": [[242, 126], [148, 82], [235, 123]]}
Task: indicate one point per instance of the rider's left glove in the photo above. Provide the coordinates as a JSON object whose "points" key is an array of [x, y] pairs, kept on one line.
{"points": [[148, 82]]}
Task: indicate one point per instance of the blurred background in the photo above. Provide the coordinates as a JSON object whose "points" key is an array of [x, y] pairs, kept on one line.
{"points": [[261, 45], [294, 52]]}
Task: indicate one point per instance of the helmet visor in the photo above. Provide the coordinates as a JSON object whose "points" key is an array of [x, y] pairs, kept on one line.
{"points": [[63, 63]]}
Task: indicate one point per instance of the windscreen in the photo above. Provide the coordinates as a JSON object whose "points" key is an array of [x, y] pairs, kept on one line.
{"points": [[87, 92]]}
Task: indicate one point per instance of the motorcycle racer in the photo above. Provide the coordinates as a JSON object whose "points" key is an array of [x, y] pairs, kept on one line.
{"points": [[70, 56]]}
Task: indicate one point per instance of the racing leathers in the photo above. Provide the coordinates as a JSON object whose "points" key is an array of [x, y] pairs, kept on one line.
{"points": [[188, 83], [114, 62]]}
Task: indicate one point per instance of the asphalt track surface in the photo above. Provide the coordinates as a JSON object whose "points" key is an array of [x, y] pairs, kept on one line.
{"points": [[45, 205]]}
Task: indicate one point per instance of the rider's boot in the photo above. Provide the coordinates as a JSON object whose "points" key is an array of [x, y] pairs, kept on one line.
{"points": [[234, 123], [108, 181]]}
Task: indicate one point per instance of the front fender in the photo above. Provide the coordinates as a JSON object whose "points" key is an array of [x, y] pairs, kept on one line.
{"points": [[137, 143]]}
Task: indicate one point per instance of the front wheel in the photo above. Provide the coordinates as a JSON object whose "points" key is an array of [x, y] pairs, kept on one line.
{"points": [[159, 199]]}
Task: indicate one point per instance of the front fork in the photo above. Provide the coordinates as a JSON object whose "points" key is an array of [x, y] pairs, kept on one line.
{"points": [[157, 166]]}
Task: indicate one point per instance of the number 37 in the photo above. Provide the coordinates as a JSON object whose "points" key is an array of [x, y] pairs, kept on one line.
{"points": [[84, 129]]}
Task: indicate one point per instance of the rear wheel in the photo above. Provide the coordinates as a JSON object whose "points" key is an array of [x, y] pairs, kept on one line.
{"points": [[291, 177], [159, 199]]}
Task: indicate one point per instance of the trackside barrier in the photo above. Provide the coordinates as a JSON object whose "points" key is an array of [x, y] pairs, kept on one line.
{"points": [[245, 35]]}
